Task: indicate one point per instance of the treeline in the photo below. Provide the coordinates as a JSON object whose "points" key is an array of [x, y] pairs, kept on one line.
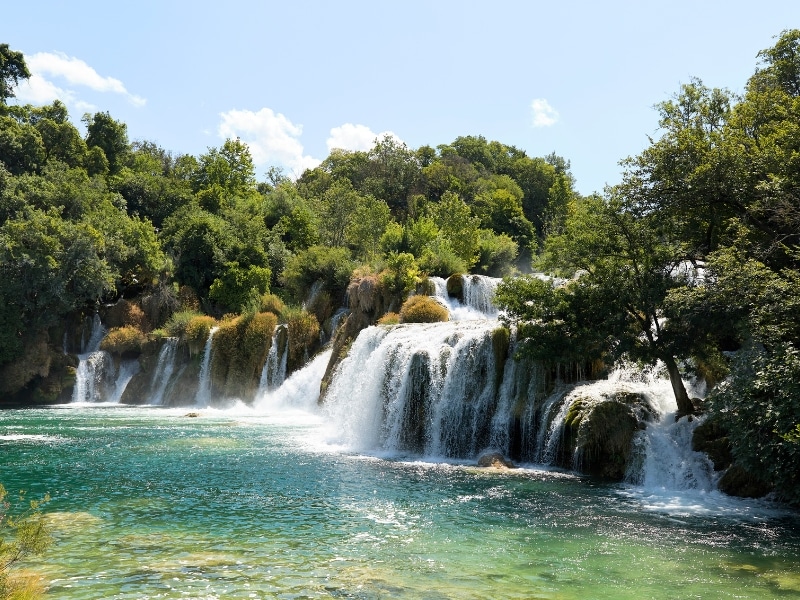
{"points": [[88, 219]]}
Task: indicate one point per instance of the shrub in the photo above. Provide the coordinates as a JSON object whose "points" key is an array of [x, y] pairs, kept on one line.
{"points": [[331, 266], [197, 330], [303, 336], [21, 535], [176, 326], [272, 304], [121, 340], [127, 314], [423, 309], [390, 318]]}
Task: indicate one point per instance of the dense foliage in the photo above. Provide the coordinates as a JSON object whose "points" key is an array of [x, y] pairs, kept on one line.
{"points": [[694, 260]]}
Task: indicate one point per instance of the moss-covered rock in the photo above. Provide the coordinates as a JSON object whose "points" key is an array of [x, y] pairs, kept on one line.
{"points": [[712, 438], [455, 287], [423, 309], [598, 433], [738, 481]]}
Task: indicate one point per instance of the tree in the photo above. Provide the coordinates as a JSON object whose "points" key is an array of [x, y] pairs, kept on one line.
{"points": [[110, 136], [229, 168], [12, 69], [626, 265]]}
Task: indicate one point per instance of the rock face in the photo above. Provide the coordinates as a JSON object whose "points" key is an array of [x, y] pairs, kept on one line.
{"points": [[495, 460]]}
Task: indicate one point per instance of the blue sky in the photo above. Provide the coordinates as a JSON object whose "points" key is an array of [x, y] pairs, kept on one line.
{"points": [[294, 79]]}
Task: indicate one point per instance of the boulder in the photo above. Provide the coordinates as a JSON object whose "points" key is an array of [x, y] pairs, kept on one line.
{"points": [[495, 459]]}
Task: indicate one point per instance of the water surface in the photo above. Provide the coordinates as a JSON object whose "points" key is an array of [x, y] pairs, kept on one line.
{"points": [[149, 503]]}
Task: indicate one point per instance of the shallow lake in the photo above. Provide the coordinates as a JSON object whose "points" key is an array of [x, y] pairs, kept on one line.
{"points": [[149, 503]]}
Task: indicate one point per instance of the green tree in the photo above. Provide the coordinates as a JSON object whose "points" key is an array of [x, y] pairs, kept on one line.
{"points": [[627, 266], [110, 136], [12, 69]]}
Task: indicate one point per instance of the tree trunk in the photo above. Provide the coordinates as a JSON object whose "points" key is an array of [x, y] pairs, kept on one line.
{"points": [[685, 406]]}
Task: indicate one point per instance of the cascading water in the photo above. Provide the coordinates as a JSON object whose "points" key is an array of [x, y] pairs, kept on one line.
{"points": [[437, 390], [274, 371], [299, 391], [165, 366], [91, 374], [203, 397], [422, 388], [478, 293]]}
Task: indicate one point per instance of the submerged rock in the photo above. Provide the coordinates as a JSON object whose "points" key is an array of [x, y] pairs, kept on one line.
{"points": [[495, 460]]}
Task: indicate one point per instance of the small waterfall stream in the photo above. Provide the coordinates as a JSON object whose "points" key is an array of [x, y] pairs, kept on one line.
{"points": [[203, 396], [165, 365], [92, 372], [274, 371]]}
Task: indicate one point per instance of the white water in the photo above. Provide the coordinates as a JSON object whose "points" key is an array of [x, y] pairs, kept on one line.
{"points": [[165, 365], [203, 396], [93, 369], [299, 391], [274, 371], [478, 297]]}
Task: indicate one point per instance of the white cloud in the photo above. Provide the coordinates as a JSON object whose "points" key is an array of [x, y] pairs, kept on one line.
{"points": [[39, 89], [272, 138], [544, 115], [355, 137]]}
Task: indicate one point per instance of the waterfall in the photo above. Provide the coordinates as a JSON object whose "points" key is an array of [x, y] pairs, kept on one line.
{"points": [[203, 396], [299, 391], [90, 376], [165, 365], [425, 389], [124, 373], [274, 371], [663, 456], [479, 293]]}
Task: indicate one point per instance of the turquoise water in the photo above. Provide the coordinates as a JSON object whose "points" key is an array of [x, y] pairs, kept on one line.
{"points": [[149, 503]]}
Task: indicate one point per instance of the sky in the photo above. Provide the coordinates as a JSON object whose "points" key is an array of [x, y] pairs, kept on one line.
{"points": [[295, 79]]}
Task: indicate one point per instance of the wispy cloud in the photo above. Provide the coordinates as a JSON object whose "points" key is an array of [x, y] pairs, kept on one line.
{"points": [[272, 138], [544, 115], [76, 74], [355, 137]]}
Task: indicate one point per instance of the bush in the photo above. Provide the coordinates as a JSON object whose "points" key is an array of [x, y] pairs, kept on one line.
{"points": [[176, 326], [331, 266], [272, 304], [390, 318], [235, 287], [197, 331], [21, 535], [423, 309], [303, 337], [122, 340]]}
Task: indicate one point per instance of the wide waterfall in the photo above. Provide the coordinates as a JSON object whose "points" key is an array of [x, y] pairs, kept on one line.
{"points": [[98, 377]]}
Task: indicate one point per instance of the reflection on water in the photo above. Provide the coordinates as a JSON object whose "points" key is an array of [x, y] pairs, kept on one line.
{"points": [[148, 503]]}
